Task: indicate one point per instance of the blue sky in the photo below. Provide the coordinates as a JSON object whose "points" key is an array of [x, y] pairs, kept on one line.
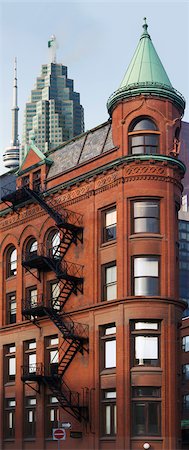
{"points": [[96, 41]]}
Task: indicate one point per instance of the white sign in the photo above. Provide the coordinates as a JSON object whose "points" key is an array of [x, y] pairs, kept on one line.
{"points": [[66, 425]]}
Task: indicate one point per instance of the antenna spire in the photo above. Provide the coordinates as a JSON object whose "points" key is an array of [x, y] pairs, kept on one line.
{"points": [[52, 45], [15, 108], [11, 155]]}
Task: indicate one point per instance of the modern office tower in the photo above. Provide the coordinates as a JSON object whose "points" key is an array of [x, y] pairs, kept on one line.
{"points": [[90, 310], [11, 155], [53, 113]]}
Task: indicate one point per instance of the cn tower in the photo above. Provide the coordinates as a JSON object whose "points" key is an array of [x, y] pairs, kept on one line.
{"points": [[11, 155]]}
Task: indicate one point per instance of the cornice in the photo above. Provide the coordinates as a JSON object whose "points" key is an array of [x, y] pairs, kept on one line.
{"points": [[145, 169]]}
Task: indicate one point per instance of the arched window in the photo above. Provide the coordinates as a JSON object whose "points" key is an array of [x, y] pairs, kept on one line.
{"points": [[11, 263], [30, 249], [143, 137], [53, 243], [32, 246]]}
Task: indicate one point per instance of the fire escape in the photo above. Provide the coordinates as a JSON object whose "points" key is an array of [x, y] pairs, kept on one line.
{"points": [[70, 280]]}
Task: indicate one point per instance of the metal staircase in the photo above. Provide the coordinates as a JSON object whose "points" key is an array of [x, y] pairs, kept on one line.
{"points": [[70, 280]]}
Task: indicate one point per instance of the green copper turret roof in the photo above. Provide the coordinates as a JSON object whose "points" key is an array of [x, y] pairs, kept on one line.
{"points": [[145, 75]]}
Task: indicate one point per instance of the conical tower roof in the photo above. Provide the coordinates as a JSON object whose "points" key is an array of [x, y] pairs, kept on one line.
{"points": [[145, 75]]}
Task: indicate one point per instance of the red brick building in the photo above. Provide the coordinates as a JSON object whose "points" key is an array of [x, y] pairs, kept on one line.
{"points": [[90, 316]]}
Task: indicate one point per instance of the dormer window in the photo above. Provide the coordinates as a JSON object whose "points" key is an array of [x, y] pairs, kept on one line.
{"points": [[37, 181], [143, 137]]}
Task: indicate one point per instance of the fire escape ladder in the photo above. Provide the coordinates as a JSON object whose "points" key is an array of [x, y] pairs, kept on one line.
{"points": [[69, 351], [64, 219], [69, 400]]}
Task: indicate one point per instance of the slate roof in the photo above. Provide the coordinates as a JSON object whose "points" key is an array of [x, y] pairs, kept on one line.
{"points": [[81, 149]]}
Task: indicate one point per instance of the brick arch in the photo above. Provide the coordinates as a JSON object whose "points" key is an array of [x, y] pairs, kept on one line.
{"points": [[46, 227], [29, 231], [7, 241]]}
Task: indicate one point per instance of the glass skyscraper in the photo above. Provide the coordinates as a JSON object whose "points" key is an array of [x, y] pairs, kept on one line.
{"points": [[53, 113]]}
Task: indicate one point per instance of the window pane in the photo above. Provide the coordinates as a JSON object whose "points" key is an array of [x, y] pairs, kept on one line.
{"points": [[146, 347], [153, 422], [185, 343], [53, 356], [110, 330], [110, 354], [137, 140], [55, 290], [12, 366], [52, 415], [110, 394], [10, 420], [31, 345], [31, 416], [146, 209], [146, 326], [151, 139], [147, 266], [108, 419], [146, 286], [115, 420], [144, 124], [111, 292], [32, 363], [146, 391], [111, 217], [146, 225], [33, 247], [139, 418], [54, 341], [137, 150], [111, 274]]}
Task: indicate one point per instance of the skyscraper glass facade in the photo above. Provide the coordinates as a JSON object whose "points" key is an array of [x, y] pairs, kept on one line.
{"points": [[184, 258], [53, 113]]}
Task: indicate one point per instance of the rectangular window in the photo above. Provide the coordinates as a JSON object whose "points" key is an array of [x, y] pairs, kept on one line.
{"points": [[108, 411], [185, 403], [26, 181], [10, 362], [145, 343], [30, 417], [30, 365], [146, 275], [185, 372], [108, 346], [185, 343], [9, 417], [11, 307], [109, 221], [146, 411], [54, 294], [145, 216], [109, 280], [37, 181], [51, 415], [52, 354], [31, 296]]}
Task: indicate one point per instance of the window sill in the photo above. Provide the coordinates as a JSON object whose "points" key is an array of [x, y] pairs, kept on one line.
{"points": [[32, 439], [146, 236], [147, 438], [111, 242], [146, 368], [9, 383], [111, 370], [108, 438]]}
